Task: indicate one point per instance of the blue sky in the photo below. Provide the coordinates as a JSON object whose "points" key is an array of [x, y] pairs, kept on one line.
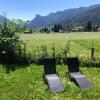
{"points": [[27, 9]]}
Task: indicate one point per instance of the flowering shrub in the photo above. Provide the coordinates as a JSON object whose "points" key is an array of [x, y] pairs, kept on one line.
{"points": [[9, 42]]}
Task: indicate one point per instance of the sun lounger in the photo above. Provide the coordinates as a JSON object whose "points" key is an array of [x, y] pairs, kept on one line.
{"points": [[51, 76], [75, 74]]}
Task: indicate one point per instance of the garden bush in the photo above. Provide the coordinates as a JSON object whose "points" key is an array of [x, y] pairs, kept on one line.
{"points": [[9, 43]]}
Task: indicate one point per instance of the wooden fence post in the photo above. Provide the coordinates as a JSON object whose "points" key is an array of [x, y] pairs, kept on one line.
{"points": [[53, 50], [20, 54], [92, 54], [24, 50]]}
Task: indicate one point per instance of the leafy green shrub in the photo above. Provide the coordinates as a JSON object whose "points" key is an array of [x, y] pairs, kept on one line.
{"points": [[9, 42]]}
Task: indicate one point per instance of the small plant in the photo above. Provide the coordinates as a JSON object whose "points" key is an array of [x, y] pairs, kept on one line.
{"points": [[66, 50], [53, 50], [44, 51]]}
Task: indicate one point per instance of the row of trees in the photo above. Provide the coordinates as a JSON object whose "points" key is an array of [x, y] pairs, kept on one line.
{"points": [[45, 29], [20, 25], [91, 27], [68, 28], [56, 28]]}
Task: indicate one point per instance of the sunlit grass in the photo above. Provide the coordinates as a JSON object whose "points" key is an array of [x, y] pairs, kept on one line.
{"points": [[27, 83], [79, 42]]}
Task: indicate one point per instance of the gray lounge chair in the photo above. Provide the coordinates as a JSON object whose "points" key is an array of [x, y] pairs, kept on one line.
{"points": [[51, 77], [75, 74]]}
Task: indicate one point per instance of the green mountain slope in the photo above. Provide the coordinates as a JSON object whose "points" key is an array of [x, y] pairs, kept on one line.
{"points": [[75, 16]]}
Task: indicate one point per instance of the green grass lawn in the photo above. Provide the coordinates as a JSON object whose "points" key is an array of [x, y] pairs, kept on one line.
{"points": [[26, 82]]}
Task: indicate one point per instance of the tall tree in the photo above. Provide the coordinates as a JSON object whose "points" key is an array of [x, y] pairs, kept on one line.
{"points": [[57, 28], [89, 26]]}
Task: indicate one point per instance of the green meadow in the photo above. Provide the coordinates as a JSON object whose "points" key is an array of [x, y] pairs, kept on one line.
{"points": [[80, 43]]}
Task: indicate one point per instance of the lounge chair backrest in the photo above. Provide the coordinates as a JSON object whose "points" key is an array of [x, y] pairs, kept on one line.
{"points": [[49, 66], [73, 64]]}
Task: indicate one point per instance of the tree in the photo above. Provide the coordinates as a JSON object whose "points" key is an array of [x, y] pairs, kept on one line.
{"points": [[95, 27], [69, 27], [9, 41], [57, 28], [25, 25], [45, 29], [21, 25], [89, 27]]}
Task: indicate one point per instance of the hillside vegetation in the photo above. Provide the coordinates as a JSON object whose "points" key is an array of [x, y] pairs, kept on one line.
{"points": [[77, 16]]}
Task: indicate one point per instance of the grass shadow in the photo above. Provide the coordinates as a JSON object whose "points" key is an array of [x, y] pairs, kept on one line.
{"points": [[12, 67]]}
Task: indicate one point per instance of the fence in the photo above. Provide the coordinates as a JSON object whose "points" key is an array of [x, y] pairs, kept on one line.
{"points": [[22, 56]]}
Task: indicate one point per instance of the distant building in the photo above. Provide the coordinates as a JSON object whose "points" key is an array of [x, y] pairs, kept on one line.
{"points": [[28, 31], [61, 31], [74, 30], [98, 29], [78, 29]]}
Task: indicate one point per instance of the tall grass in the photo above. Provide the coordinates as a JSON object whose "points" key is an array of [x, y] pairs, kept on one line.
{"points": [[60, 45]]}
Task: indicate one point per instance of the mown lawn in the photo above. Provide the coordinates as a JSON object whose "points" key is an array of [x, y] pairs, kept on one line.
{"points": [[27, 84]]}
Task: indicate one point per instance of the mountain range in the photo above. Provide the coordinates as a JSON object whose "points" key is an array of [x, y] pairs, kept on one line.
{"points": [[1, 19], [76, 16]]}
